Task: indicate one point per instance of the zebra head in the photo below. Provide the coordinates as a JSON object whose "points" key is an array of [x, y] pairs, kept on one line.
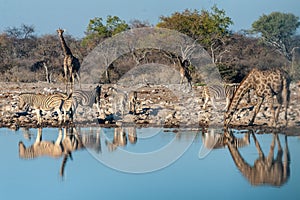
{"points": [[22, 102]]}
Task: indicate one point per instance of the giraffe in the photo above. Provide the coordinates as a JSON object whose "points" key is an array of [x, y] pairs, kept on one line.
{"points": [[184, 71], [266, 170], [71, 63], [266, 84], [132, 100]]}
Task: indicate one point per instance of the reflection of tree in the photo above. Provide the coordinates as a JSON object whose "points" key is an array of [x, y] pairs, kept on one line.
{"points": [[68, 140], [266, 170]]}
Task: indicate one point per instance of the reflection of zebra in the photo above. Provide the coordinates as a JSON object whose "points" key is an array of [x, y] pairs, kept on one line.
{"points": [[64, 145], [42, 102], [87, 98], [212, 140], [120, 139], [217, 92]]}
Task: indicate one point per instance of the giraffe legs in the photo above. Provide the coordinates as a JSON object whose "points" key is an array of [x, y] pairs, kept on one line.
{"points": [[260, 152], [286, 169], [256, 109], [181, 80]]}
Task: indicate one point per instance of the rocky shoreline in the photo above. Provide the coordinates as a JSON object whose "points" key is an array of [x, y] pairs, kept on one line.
{"points": [[157, 106]]}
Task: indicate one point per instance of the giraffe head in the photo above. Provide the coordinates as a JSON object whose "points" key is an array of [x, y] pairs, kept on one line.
{"points": [[60, 31]]}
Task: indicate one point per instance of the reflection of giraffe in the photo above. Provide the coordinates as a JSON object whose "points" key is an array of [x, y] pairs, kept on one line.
{"points": [[63, 146], [71, 63], [266, 84], [266, 170]]}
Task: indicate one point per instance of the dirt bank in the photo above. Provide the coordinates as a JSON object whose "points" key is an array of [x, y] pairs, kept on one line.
{"points": [[171, 106]]}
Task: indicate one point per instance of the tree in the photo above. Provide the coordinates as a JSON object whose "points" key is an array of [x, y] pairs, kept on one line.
{"points": [[135, 23], [97, 30], [277, 29], [209, 28], [23, 32]]}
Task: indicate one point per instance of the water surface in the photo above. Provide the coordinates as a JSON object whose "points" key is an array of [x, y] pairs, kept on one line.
{"points": [[102, 166]]}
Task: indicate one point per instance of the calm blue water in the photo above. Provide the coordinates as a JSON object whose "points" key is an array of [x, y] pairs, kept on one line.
{"points": [[158, 164]]}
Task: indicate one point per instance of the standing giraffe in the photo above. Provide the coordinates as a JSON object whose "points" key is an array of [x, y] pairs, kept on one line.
{"points": [[71, 63], [266, 84], [184, 72]]}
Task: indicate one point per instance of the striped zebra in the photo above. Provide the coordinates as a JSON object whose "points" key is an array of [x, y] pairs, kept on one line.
{"points": [[122, 101], [66, 106], [43, 102], [86, 98], [217, 92]]}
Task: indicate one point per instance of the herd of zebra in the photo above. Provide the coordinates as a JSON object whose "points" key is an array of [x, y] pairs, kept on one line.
{"points": [[60, 102], [66, 104]]}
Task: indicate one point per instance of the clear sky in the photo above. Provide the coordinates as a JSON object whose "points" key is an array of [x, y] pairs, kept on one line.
{"points": [[74, 16]]}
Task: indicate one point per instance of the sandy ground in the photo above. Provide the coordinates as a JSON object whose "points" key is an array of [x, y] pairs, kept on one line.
{"points": [[171, 106]]}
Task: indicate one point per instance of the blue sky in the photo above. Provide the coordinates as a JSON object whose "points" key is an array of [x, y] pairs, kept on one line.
{"points": [[47, 16]]}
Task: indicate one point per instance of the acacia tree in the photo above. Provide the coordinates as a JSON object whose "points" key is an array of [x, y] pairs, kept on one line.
{"points": [[209, 28], [277, 29], [22, 32], [97, 30]]}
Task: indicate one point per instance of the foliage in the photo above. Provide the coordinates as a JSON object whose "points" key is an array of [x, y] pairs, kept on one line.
{"points": [[205, 26], [138, 24], [22, 32], [23, 54], [277, 29], [97, 31]]}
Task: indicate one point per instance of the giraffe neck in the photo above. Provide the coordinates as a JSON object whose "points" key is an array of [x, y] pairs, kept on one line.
{"points": [[64, 46], [245, 85], [240, 162]]}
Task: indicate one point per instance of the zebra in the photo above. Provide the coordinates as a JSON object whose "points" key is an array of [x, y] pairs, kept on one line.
{"points": [[87, 98], [66, 106], [217, 91], [43, 102], [120, 99]]}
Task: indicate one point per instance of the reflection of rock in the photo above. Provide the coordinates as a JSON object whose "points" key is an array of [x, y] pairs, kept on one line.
{"points": [[266, 170]]}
